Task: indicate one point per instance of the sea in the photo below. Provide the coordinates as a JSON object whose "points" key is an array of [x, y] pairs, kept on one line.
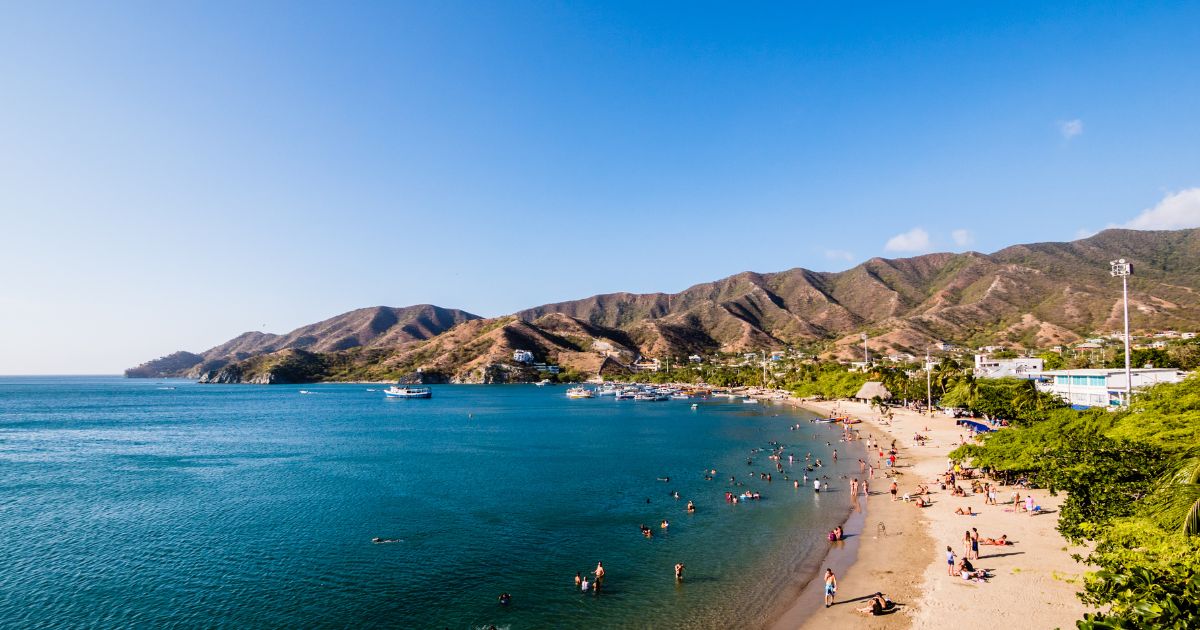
{"points": [[166, 503]]}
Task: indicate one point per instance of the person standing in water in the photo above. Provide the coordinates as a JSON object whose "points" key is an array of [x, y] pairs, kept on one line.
{"points": [[599, 572], [830, 587], [678, 571]]}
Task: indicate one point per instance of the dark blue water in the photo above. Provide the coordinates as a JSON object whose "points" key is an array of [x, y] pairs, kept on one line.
{"points": [[123, 504]]}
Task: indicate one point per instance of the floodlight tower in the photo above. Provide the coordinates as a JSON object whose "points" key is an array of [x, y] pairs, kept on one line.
{"points": [[928, 384], [1123, 269], [866, 353]]}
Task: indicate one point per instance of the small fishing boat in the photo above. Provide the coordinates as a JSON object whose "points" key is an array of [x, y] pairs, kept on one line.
{"points": [[544, 382], [680, 396], [408, 392], [580, 392], [750, 401]]}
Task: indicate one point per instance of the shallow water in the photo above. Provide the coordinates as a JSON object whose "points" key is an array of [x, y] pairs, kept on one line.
{"points": [[126, 504]]}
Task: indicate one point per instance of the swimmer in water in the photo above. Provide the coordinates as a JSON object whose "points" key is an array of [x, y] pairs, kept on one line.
{"points": [[380, 541], [691, 507]]}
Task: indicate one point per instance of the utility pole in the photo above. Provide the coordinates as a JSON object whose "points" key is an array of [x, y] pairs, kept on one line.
{"points": [[1121, 268], [866, 352]]}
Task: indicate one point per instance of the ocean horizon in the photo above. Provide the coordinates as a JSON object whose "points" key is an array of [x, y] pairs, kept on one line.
{"points": [[128, 502]]}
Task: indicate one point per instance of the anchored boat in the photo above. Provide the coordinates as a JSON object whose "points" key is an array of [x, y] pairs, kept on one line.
{"points": [[408, 392]]}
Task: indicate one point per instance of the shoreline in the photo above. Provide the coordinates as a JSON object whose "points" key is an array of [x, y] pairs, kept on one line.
{"points": [[1034, 581]]}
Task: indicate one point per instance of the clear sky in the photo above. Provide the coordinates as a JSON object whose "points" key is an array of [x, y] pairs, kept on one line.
{"points": [[174, 174]]}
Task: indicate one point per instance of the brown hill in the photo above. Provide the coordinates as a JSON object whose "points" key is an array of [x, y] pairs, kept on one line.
{"points": [[380, 326], [1027, 295]]}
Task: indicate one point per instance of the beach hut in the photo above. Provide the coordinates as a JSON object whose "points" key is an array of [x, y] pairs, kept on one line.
{"points": [[872, 389]]}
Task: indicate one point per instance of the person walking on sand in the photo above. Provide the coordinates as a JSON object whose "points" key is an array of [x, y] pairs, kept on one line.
{"points": [[950, 560], [894, 489], [830, 587]]}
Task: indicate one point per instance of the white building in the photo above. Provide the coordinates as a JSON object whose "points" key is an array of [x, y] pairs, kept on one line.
{"points": [[1021, 367], [522, 356], [1103, 387], [695, 358], [1187, 335], [646, 365]]}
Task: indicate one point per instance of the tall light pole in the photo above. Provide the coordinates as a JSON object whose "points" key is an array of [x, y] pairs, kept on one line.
{"points": [[928, 384], [1123, 269], [866, 353]]}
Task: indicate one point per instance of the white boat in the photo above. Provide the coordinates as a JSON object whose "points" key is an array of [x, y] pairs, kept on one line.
{"points": [[750, 401], [626, 396], [607, 390], [680, 396], [407, 392], [544, 382], [579, 392]]}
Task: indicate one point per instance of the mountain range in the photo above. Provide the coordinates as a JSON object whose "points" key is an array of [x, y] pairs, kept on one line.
{"points": [[1024, 296]]}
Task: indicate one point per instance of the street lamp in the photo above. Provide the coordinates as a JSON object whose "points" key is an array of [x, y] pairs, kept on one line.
{"points": [[866, 353], [1123, 269]]}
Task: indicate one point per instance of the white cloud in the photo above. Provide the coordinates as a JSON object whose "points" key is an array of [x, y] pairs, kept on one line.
{"points": [[1071, 128], [963, 237], [839, 254], [1175, 212], [1083, 233], [914, 240]]}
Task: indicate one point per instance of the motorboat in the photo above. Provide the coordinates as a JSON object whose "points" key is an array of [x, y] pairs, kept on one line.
{"points": [[544, 382], [750, 401], [408, 392], [580, 392]]}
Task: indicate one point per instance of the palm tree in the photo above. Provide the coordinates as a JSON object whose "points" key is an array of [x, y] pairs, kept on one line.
{"points": [[1190, 477], [1026, 400], [1176, 502]]}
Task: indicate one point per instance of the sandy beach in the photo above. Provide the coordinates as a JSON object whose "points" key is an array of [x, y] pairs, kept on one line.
{"points": [[901, 548]]}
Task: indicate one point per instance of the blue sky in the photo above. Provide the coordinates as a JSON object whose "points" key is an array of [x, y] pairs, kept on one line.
{"points": [[173, 174]]}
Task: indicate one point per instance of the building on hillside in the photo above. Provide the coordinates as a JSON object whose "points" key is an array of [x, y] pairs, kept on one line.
{"points": [[522, 356], [1088, 345], [545, 367], [871, 390], [646, 365], [1021, 367], [901, 357], [1103, 387], [778, 355], [695, 358], [1187, 335]]}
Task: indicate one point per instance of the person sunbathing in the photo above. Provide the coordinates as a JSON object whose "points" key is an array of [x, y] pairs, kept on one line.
{"points": [[921, 502], [965, 511], [879, 604], [999, 542]]}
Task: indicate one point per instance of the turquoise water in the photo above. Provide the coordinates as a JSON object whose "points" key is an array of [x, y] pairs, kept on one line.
{"points": [[123, 504]]}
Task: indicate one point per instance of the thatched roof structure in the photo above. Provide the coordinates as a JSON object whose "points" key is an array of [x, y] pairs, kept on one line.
{"points": [[871, 389]]}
